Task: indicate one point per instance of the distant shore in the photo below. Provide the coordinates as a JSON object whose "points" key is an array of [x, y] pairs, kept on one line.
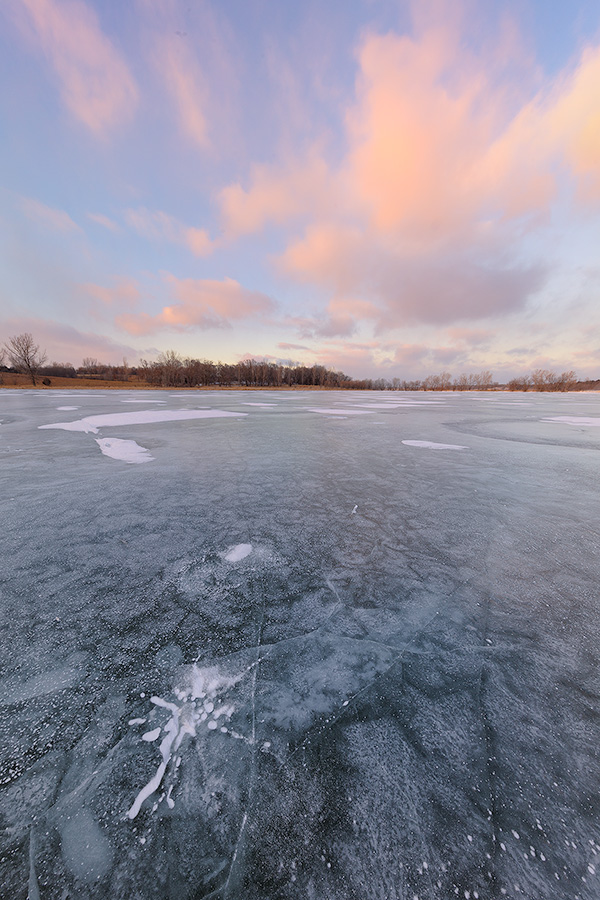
{"points": [[14, 381]]}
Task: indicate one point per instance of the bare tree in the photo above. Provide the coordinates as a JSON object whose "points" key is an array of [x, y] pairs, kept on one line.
{"points": [[25, 355]]}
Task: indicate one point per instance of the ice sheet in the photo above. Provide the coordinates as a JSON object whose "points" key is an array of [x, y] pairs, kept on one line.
{"points": [[393, 693]]}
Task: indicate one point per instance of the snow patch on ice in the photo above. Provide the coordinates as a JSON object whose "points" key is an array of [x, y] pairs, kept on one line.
{"points": [[587, 421], [238, 552], [65, 408], [431, 445], [126, 451], [143, 417], [199, 703], [262, 405], [340, 412]]}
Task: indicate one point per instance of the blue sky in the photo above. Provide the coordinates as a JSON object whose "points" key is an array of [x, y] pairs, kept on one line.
{"points": [[392, 189]]}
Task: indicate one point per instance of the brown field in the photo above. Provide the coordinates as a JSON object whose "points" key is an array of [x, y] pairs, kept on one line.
{"points": [[83, 382]]}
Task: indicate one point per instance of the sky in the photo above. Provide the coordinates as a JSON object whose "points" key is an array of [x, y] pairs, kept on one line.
{"points": [[390, 189]]}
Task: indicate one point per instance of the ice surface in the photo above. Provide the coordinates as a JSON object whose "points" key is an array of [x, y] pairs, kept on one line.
{"points": [[127, 451], [392, 691], [85, 849]]}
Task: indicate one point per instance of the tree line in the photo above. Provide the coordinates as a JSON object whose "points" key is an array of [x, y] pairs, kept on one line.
{"points": [[170, 369]]}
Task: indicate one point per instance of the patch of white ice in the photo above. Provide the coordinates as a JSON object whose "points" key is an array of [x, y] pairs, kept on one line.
{"points": [[196, 695], [388, 404], [338, 412], [126, 451], [262, 405], [143, 417], [431, 445], [66, 408], [587, 421], [238, 552]]}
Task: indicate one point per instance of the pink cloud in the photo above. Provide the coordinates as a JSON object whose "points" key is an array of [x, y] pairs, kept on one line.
{"points": [[201, 304], [96, 85], [275, 196], [283, 345], [124, 293], [104, 221], [190, 48], [55, 219], [160, 226], [453, 154], [470, 335], [187, 85]]}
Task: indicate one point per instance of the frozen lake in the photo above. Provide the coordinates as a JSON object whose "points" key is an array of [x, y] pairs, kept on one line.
{"points": [[323, 645]]}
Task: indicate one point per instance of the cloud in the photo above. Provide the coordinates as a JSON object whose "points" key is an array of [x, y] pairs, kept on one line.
{"points": [[201, 304], [455, 155], [472, 336], [191, 49], [104, 221], [67, 344], [283, 345], [95, 82], [125, 293], [54, 219], [160, 226], [394, 289], [275, 196], [187, 85]]}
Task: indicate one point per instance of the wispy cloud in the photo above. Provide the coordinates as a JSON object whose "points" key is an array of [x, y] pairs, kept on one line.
{"points": [[187, 84], [48, 216], [283, 345], [104, 221], [155, 225], [95, 82], [124, 293]]}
